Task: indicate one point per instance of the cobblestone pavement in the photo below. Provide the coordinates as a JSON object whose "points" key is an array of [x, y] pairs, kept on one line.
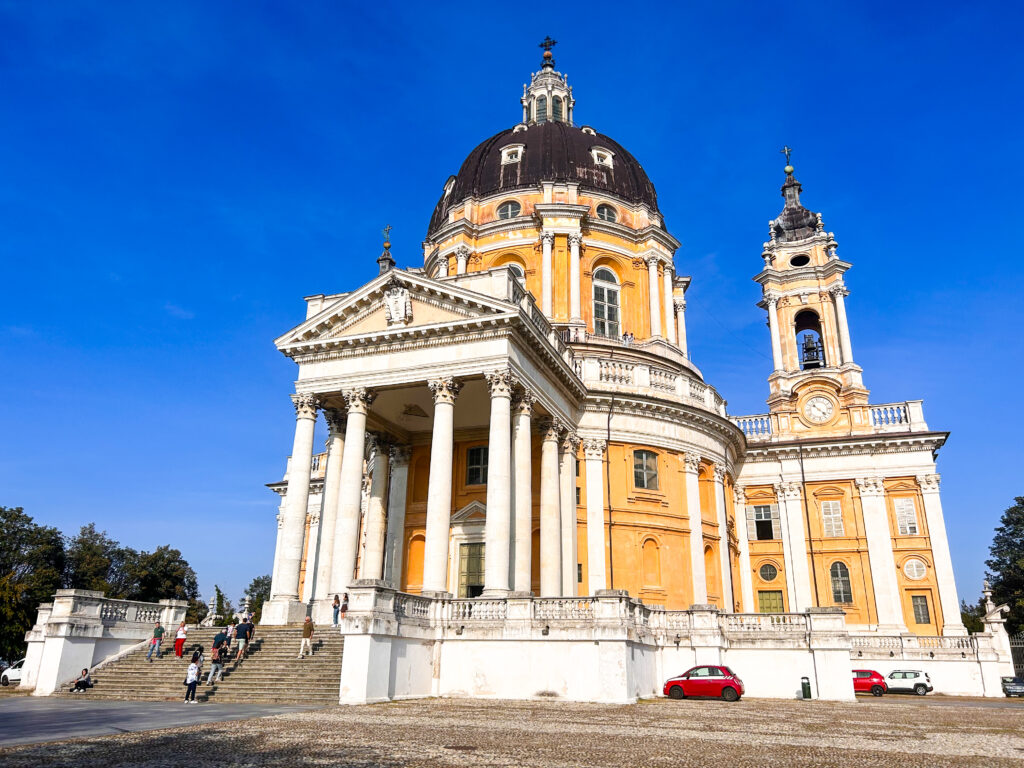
{"points": [[901, 733]]}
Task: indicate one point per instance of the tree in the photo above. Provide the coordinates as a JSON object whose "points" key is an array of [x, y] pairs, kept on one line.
{"points": [[1006, 565], [31, 568], [972, 616], [97, 562], [258, 592], [162, 574], [222, 606]]}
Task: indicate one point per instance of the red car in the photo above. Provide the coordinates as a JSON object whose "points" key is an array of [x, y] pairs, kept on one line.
{"points": [[705, 680], [869, 681]]}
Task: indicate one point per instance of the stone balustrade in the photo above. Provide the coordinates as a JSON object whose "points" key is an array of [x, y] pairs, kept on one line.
{"points": [[915, 647], [906, 416]]}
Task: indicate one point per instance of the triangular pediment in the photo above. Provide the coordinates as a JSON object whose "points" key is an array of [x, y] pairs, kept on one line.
{"points": [[394, 303], [474, 512]]}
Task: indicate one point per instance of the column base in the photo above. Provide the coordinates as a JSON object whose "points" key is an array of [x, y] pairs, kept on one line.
{"points": [[277, 611], [495, 594], [958, 630], [892, 629]]}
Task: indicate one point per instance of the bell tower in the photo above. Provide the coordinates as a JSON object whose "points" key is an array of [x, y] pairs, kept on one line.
{"points": [[815, 377]]}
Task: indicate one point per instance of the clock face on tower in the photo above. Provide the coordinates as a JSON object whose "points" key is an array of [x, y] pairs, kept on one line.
{"points": [[819, 409]]}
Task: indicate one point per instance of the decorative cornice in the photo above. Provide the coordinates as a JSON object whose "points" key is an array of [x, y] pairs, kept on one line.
{"points": [[868, 445], [306, 405], [444, 390]]}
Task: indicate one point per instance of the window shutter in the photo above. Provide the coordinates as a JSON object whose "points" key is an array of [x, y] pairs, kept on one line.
{"points": [[776, 522], [751, 525]]}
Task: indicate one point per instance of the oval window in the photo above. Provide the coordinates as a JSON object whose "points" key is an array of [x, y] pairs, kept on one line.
{"points": [[509, 209], [606, 213], [800, 260], [768, 572], [915, 569]]}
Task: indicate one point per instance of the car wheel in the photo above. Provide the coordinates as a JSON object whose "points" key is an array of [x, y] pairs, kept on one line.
{"points": [[4, 680], [729, 694], [920, 690], [675, 692], [877, 690]]}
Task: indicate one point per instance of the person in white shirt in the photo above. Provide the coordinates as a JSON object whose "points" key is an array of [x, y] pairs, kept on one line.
{"points": [[191, 680], [179, 639]]}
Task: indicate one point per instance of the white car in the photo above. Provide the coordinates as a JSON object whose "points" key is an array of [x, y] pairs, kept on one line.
{"points": [[12, 675], [909, 681]]}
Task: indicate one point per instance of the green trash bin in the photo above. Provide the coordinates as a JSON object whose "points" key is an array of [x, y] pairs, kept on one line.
{"points": [[805, 686]]}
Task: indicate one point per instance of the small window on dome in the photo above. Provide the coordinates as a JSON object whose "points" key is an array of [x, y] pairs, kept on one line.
{"points": [[607, 213], [556, 109], [602, 156], [509, 209], [800, 260], [542, 109], [513, 153]]}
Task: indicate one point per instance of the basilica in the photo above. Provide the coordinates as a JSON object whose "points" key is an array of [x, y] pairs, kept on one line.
{"points": [[527, 476]]}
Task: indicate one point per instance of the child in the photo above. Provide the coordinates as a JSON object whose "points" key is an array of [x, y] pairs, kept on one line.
{"points": [[191, 679]]}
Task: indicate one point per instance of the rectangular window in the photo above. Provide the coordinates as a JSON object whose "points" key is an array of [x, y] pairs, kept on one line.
{"points": [[476, 465], [769, 601], [832, 518], [763, 522], [645, 470], [471, 570], [921, 613], [906, 516], [577, 496], [577, 467]]}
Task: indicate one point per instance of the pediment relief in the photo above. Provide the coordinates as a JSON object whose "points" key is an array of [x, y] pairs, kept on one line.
{"points": [[474, 512], [409, 313]]}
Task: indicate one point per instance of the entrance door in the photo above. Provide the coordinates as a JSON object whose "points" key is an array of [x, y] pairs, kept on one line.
{"points": [[769, 601], [471, 569]]}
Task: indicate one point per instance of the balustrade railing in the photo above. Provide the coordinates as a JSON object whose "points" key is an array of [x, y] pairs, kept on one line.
{"points": [[616, 373], [475, 610], [663, 380], [894, 416], [118, 611], [763, 622], [758, 427], [412, 606], [548, 608], [898, 644]]}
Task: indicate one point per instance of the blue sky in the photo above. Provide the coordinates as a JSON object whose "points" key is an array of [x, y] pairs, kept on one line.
{"points": [[175, 177]]}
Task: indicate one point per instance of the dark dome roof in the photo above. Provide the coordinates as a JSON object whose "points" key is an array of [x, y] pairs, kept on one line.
{"points": [[554, 152]]}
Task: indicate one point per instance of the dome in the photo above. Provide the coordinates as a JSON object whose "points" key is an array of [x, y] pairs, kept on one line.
{"points": [[552, 151]]}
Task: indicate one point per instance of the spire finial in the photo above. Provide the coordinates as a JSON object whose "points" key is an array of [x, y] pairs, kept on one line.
{"points": [[386, 262], [547, 44], [787, 151]]}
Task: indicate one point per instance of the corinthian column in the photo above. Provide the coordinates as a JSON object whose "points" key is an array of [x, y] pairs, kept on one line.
{"points": [[285, 589], [691, 464], [670, 318], [550, 514], [395, 541], [652, 276], [728, 603], [499, 487], [593, 451], [839, 292], [680, 307], [746, 585], [773, 326], [372, 563], [794, 546], [881, 559], [461, 259], [346, 536], [575, 311], [952, 624], [547, 241], [522, 471], [439, 488], [567, 481], [329, 513]]}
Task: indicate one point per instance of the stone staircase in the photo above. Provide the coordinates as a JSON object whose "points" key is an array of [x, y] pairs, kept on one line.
{"points": [[270, 673]]}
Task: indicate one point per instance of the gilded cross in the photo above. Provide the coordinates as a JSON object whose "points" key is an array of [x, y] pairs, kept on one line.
{"points": [[548, 43], [787, 151], [387, 233]]}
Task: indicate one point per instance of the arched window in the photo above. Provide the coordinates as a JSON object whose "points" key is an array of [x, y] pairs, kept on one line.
{"points": [[509, 209], [810, 348], [841, 591], [651, 563], [542, 109], [645, 470], [606, 213], [556, 109], [517, 270], [414, 560], [606, 303]]}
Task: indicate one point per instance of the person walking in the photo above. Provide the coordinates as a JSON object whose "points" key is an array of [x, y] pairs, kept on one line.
{"points": [[191, 680], [154, 644], [82, 683], [307, 637], [216, 664], [179, 639], [242, 636], [230, 634], [337, 609]]}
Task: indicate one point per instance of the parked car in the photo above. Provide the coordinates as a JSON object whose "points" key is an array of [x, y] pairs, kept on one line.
{"points": [[12, 675], [1013, 686], [868, 681], [705, 680], [909, 681]]}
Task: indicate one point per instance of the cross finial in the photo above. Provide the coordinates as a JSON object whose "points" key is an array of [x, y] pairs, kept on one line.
{"points": [[787, 151], [548, 43], [387, 236]]}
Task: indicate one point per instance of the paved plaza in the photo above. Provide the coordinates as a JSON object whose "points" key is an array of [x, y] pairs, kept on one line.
{"points": [[903, 732]]}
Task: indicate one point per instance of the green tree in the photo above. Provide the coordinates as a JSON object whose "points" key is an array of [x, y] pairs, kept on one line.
{"points": [[258, 592], [222, 605], [161, 574], [1006, 565], [31, 567], [97, 562], [972, 615]]}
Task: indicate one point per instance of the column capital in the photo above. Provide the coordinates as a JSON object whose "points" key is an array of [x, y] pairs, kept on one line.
{"points": [[547, 238], [400, 454], [336, 420], [691, 462], [550, 429], [593, 448], [870, 486], [359, 399], [739, 495], [444, 390], [463, 252], [652, 261], [576, 239], [669, 269], [679, 305], [838, 290], [929, 483], [280, 520], [720, 473], [500, 383], [523, 400], [771, 297], [306, 405], [789, 490], [380, 441], [570, 442]]}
